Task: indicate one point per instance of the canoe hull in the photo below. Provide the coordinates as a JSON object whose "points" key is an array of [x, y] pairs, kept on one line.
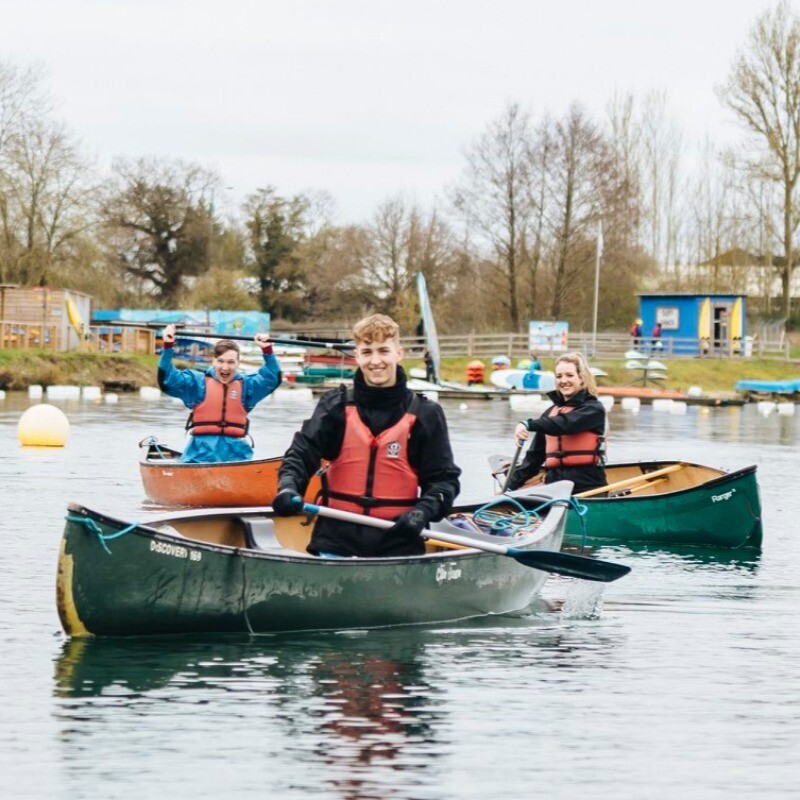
{"points": [[154, 582], [722, 512], [238, 483]]}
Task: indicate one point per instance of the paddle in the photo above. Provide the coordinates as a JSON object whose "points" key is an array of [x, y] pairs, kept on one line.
{"points": [[645, 478], [233, 336], [589, 569], [512, 466]]}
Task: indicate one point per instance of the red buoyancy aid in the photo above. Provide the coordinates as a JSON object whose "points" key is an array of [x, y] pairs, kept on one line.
{"points": [[372, 474], [221, 412], [582, 449]]}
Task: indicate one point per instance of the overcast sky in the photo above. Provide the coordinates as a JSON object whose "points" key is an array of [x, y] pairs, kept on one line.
{"points": [[361, 98]]}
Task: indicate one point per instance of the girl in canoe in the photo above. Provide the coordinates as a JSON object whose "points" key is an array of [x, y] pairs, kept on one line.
{"points": [[569, 437], [220, 398]]}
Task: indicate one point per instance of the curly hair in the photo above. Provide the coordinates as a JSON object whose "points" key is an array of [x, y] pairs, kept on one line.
{"points": [[376, 328]]}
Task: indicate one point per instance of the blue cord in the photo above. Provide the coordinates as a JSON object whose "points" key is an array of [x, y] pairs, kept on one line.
{"points": [[504, 525], [94, 528]]}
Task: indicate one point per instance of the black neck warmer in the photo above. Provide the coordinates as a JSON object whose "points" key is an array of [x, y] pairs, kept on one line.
{"points": [[379, 397]]}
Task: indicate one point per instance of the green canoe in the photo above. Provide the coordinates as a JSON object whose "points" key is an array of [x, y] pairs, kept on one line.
{"points": [[244, 570], [670, 503]]}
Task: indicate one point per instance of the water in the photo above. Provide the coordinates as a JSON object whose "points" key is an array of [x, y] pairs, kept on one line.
{"points": [[679, 680]]}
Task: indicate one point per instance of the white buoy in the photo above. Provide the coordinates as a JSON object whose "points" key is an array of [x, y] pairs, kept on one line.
{"points": [[111, 397], [90, 392], [35, 391], [678, 407], [694, 391], [631, 403], [2, 394], [608, 401], [463, 407], [662, 404], [765, 407], [149, 393], [43, 425], [63, 392], [786, 409]]}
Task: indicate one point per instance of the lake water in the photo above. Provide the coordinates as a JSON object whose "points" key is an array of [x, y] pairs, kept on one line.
{"points": [[680, 680]]}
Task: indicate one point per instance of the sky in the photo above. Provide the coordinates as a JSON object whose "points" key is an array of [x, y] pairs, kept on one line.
{"points": [[364, 99]]}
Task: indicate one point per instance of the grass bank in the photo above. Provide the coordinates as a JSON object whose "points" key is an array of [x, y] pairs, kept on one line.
{"points": [[22, 368], [713, 375]]}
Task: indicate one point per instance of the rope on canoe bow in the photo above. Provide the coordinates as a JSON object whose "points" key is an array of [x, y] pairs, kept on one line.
{"points": [[508, 524], [94, 528]]}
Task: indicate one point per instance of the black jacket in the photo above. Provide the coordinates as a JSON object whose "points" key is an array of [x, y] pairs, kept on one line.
{"points": [[588, 415], [429, 453]]}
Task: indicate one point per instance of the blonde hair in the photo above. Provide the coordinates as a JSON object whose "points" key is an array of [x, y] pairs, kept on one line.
{"points": [[376, 328], [584, 373]]}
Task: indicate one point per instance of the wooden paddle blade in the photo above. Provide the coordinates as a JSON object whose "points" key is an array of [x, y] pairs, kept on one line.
{"points": [[587, 569]]}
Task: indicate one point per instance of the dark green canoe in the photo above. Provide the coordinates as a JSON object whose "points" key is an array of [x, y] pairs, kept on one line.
{"points": [[243, 570], [671, 503]]}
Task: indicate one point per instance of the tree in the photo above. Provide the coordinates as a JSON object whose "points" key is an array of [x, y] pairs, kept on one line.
{"points": [[494, 197], [763, 91], [276, 226], [48, 195], [157, 213], [580, 165]]}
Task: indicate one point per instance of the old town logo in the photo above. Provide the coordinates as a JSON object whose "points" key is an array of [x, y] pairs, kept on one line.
{"points": [[393, 450]]}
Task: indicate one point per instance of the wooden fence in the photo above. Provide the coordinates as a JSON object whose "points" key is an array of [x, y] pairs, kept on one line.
{"points": [[27, 335], [604, 345]]}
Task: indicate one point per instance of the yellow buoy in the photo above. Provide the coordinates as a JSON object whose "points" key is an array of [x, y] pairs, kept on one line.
{"points": [[43, 425]]}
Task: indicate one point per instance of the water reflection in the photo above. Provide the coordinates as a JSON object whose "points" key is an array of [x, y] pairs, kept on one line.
{"points": [[356, 705], [745, 560]]}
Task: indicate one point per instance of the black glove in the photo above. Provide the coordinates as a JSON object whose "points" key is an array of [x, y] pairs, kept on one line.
{"points": [[287, 503], [410, 524]]}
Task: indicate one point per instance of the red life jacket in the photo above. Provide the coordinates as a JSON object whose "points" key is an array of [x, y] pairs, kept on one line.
{"points": [[221, 412], [584, 449], [372, 475]]}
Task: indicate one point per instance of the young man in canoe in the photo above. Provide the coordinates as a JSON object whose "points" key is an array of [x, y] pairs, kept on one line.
{"points": [[389, 453], [569, 437], [219, 398]]}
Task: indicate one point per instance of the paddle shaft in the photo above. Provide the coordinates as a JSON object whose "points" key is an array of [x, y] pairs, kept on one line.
{"points": [[645, 477], [512, 466], [590, 569], [233, 336]]}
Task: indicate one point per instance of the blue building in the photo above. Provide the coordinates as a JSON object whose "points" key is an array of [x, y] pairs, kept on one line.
{"points": [[697, 324]]}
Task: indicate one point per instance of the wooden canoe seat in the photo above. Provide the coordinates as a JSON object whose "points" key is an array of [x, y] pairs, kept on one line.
{"points": [[260, 533]]}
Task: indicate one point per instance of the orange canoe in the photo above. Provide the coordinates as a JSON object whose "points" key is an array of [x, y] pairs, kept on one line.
{"points": [[236, 483]]}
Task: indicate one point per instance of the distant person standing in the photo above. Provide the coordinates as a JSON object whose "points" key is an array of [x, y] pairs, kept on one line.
{"points": [[430, 367], [637, 333], [656, 342]]}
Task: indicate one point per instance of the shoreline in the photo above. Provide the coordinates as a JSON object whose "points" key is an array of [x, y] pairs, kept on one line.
{"points": [[20, 369]]}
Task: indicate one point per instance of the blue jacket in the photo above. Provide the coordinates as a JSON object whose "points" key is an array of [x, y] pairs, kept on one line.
{"points": [[189, 385]]}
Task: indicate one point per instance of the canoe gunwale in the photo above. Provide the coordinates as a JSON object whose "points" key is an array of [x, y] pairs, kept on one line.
{"points": [[711, 483], [554, 518]]}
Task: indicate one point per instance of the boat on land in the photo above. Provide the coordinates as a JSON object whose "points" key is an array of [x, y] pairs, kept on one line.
{"points": [[169, 482], [760, 390], [246, 570], [668, 503]]}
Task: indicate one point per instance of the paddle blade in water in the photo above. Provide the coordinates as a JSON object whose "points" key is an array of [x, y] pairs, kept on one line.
{"points": [[587, 569]]}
